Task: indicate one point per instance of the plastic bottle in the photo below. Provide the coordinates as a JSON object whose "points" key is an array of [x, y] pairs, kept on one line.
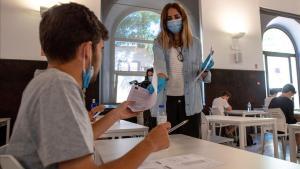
{"points": [[249, 106], [161, 115], [93, 104]]}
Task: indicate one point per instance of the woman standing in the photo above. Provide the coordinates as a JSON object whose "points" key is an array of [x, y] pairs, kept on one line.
{"points": [[177, 61]]}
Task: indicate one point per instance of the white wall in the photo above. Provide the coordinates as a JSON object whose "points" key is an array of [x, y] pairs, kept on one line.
{"points": [[19, 24], [221, 18], [290, 6]]}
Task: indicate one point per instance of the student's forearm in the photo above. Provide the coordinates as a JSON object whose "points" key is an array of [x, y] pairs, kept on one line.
{"points": [[100, 126], [133, 159]]}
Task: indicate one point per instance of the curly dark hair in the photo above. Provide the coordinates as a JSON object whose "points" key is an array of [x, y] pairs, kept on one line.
{"points": [[64, 27]]}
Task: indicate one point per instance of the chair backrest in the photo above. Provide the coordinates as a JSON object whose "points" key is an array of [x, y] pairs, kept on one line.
{"points": [[216, 111], [9, 162], [204, 127], [281, 120]]}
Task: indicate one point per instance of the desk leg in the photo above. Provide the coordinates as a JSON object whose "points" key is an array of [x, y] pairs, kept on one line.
{"points": [[242, 129], [7, 130], [214, 128], [275, 139], [292, 141]]}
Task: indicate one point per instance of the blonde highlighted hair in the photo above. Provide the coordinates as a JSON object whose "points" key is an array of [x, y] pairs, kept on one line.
{"points": [[165, 37]]}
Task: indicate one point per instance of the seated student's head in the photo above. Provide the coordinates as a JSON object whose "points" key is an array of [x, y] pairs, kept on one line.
{"points": [[225, 95], [149, 74], [274, 91], [71, 33], [288, 90]]}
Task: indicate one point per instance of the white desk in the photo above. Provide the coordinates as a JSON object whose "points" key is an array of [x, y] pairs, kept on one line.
{"points": [[293, 129], [247, 113], [243, 122], [3, 122], [180, 144], [125, 128]]}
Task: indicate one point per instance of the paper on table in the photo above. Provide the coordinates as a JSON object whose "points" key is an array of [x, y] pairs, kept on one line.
{"points": [[186, 161], [143, 100]]}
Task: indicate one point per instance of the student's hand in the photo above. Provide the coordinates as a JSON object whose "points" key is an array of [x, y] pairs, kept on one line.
{"points": [[159, 137], [160, 86], [123, 112], [99, 108]]}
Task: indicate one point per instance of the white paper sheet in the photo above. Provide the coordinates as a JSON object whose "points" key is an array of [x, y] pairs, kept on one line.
{"points": [[143, 100], [186, 161]]}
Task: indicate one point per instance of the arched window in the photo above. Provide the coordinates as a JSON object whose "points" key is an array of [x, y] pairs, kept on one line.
{"points": [[280, 60], [133, 54]]}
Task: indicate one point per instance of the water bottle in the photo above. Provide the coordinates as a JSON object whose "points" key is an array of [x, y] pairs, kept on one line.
{"points": [[93, 104], [161, 115], [249, 106]]}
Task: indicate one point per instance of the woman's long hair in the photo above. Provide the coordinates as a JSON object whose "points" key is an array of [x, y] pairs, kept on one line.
{"points": [[165, 37]]}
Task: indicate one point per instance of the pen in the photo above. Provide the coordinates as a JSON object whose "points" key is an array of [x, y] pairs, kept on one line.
{"points": [[178, 125]]}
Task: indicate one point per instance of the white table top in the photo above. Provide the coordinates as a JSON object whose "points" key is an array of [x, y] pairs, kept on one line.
{"points": [[180, 144], [126, 126], [294, 126], [238, 120], [245, 112]]}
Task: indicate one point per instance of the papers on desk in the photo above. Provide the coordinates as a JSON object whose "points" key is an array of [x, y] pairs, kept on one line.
{"points": [[187, 161], [143, 100]]}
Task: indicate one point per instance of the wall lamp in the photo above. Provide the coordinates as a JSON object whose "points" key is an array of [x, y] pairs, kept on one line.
{"points": [[236, 50]]}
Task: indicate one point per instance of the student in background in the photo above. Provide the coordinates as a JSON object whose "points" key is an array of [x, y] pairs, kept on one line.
{"points": [[286, 104], [221, 103], [273, 94], [177, 61], [53, 129]]}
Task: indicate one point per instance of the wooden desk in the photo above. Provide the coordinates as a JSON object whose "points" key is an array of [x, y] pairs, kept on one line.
{"points": [[180, 144], [293, 129], [125, 128], [243, 122], [6, 122]]}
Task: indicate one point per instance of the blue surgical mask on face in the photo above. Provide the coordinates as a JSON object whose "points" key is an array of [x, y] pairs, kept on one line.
{"points": [[87, 76], [175, 26]]}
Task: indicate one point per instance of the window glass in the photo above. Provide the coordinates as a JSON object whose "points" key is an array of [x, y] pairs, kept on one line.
{"points": [[275, 40]]}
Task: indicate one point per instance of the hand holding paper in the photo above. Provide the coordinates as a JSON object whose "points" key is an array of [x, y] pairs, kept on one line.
{"points": [[209, 62]]}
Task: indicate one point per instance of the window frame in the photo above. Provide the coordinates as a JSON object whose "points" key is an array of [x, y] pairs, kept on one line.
{"points": [[281, 54], [115, 73]]}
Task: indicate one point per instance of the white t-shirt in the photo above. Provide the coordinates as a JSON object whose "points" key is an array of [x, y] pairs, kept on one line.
{"points": [[221, 104], [175, 83]]}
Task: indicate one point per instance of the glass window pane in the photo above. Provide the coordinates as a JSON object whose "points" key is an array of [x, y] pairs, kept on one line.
{"points": [[132, 56], [275, 40], [123, 86], [278, 71], [143, 25], [295, 82]]}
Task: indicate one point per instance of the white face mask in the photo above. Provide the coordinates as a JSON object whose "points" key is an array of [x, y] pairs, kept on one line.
{"points": [[150, 78]]}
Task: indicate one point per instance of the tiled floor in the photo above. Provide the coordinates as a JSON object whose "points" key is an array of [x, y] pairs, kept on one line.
{"points": [[268, 147]]}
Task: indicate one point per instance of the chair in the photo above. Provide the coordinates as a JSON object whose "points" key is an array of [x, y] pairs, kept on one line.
{"points": [[216, 111], [281, 127], [8, 161], [208, 135]]}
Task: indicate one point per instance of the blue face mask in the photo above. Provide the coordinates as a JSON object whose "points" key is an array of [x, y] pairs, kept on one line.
{"points": [[150, 78], [175, 26], [87, 76]]}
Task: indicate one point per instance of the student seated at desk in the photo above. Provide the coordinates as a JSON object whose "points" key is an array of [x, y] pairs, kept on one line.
{"points": [[53, 129], [222, 105], [286, 104]]}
